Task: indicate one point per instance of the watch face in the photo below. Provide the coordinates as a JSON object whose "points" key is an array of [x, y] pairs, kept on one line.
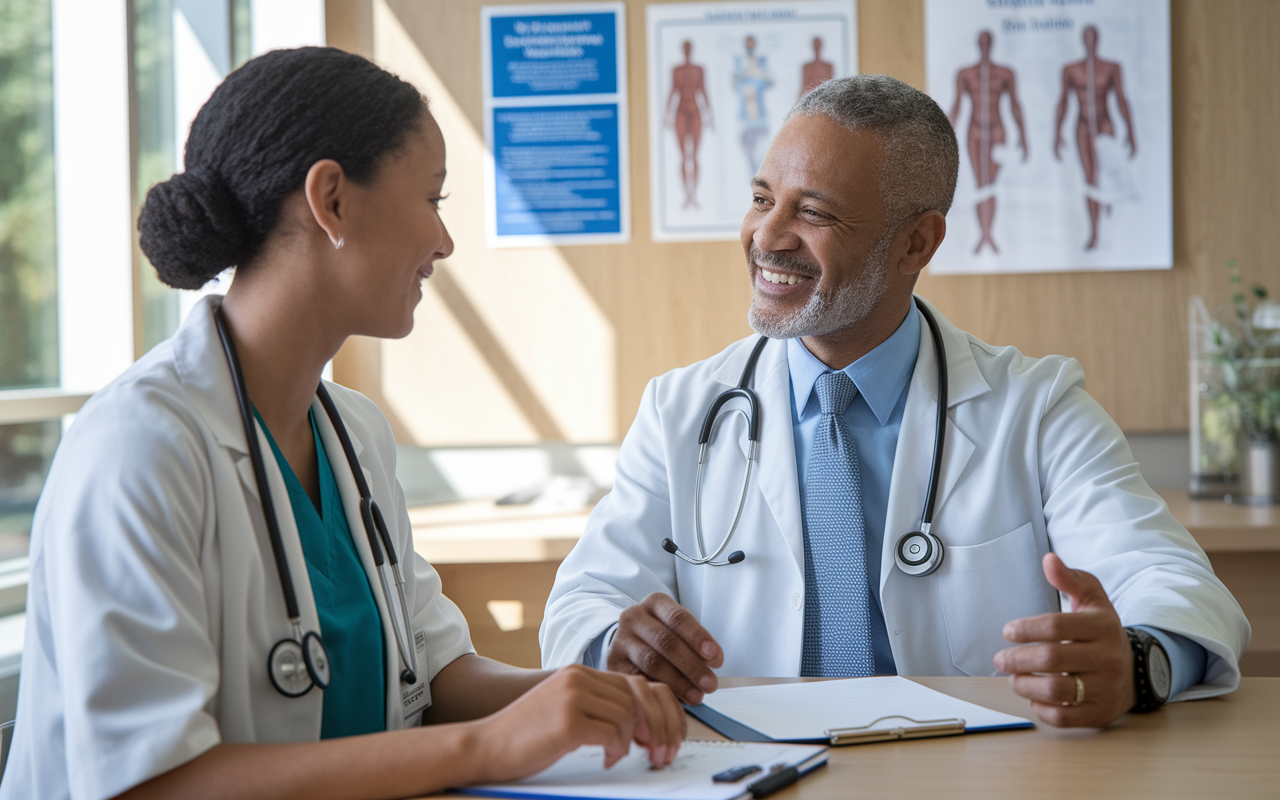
{"points": [[1161, 678]]}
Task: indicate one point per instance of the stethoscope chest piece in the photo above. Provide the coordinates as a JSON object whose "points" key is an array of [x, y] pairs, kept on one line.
{"points": [[296, 666], [919, 553]]}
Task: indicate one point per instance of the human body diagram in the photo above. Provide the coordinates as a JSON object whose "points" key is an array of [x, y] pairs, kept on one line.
{"points": [[985, 83], [751, 78], [816, 71], [1091, 81], [687, 107]]}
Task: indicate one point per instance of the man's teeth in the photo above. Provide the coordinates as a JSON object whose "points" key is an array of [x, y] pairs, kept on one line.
{"points": [[775, 277]]}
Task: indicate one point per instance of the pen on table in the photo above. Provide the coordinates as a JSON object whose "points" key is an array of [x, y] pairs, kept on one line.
{"points": [[773, 782]]}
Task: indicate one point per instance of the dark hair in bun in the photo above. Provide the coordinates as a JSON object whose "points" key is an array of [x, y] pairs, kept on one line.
{"points": [[252, 144]]}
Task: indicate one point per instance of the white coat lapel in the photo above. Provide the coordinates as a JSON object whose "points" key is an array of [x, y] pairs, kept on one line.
{"points": [[776, 469], [914, 456], [351, 507]]}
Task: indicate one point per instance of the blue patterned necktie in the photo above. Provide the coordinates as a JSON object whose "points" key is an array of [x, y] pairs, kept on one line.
{"points": [[837, 612]]}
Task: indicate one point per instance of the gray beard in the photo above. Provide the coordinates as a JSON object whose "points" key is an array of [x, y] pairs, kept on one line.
{"points": [[823, 313]]}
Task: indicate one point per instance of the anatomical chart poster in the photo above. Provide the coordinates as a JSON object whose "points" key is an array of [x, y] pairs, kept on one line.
{"points": [[721, 78], [1062, 112], [555, 124]]}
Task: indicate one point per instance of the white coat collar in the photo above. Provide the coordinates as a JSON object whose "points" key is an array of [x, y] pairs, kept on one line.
{"points": [[202, 368]]}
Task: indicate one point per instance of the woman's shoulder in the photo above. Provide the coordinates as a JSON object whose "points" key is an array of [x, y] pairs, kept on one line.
{"points": [[363, 418]]}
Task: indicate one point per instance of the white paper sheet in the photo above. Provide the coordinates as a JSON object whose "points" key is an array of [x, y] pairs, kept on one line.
{"points": [[582, 773], [797, 711]]}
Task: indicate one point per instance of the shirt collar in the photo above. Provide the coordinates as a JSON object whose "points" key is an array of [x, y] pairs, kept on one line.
{"points": [[880, 375]]}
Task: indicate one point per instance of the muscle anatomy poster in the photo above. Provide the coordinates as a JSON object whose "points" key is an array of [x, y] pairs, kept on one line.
{"points": [[721, 78], [1062, 112]]}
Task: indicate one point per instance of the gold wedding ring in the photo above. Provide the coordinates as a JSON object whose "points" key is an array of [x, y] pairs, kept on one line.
{"points": [[1079, 690]]}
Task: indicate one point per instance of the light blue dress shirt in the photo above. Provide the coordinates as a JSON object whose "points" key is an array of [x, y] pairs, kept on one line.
{"points": [[874, 419]]}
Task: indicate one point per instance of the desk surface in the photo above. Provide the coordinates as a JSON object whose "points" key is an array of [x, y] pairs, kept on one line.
{"points": [[1224, 747], [1227, 527]]}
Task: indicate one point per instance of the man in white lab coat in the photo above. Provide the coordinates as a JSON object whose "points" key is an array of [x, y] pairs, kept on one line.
{"points": [[1040, 508]]}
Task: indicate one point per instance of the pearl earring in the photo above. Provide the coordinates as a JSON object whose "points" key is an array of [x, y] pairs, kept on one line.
{"points": [[338, 244]]}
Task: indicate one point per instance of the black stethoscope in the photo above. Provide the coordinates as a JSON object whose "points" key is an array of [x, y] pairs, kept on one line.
{"points": [[298, 663], [917, 553]]}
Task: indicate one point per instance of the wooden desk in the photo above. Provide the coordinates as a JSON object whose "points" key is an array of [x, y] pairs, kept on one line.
{"points": [[1227, 527], [1224, 747]]}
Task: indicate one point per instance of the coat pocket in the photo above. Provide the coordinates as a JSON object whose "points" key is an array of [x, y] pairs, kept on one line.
{"points": [[984, 586]]}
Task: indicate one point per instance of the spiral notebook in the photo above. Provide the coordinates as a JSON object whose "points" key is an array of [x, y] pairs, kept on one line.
{"points": [[848, 711]]}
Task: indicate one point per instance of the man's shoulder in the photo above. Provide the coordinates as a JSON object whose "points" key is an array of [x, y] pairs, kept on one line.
{"points": [[1010, 372]]}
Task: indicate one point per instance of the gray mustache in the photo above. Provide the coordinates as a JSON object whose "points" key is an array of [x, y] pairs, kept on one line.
{"points": [[782, 262]]}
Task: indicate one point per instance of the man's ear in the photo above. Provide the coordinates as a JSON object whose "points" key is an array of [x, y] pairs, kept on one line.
{"points": [[324, 190], [924, 234]]}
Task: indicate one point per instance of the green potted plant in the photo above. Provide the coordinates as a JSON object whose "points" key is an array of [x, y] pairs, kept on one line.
{"points": [[1246, 349]]}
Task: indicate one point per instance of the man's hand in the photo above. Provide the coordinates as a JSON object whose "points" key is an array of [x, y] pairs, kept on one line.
{"points": [[660, 639], [1089, 643]]}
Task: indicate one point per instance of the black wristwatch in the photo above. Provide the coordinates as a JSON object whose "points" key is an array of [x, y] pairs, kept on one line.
{"points": [[1152, 675]]}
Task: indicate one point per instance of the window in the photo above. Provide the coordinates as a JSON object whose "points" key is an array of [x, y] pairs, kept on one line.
{"points": [[95, 100], [28, 275]]}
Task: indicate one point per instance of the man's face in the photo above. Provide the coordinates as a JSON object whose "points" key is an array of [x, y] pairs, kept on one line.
{"points": [[814, 235]]}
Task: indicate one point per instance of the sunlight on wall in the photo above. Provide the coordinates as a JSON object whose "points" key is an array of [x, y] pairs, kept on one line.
{"points": [[508, 346]]}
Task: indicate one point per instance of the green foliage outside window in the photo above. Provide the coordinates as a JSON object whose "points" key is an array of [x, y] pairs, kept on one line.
{"points": [[28, 274]]}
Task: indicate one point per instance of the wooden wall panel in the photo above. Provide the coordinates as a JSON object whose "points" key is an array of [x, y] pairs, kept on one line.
{"points": [[671, 304]]}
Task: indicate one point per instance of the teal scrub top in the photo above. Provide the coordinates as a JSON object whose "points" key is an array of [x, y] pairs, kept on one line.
{"points": [[350, 625]]}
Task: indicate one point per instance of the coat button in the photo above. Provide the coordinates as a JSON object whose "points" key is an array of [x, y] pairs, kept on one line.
{"points": [[795, 601]]}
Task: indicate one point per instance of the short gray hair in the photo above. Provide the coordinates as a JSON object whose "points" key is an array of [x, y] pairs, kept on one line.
{"points": [[922, 157]]}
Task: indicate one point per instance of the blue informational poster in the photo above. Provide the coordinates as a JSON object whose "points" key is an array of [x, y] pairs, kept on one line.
{"points": [[555, 109]]}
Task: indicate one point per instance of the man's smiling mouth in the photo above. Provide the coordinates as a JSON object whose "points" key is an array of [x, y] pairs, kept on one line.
{"points": [[780, 278]]}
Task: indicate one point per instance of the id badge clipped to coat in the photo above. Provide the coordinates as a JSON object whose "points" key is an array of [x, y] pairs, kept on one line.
{"points": [[417, 698]]}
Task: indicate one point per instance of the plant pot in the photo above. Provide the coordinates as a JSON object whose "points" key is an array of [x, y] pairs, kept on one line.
{"points": [[1260, 472]]}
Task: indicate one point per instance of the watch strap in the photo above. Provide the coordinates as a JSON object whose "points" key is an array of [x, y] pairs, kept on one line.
{"points": [[1142, 642]]}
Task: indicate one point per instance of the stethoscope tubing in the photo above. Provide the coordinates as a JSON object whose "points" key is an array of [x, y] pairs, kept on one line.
{"points": [[260, 475], [744, 390], [371, 515], [384, 551]]}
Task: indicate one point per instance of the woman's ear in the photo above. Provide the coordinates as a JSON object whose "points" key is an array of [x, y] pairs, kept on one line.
{"points": [[325, 189]]}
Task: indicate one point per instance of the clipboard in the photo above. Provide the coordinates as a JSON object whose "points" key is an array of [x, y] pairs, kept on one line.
{"points": [[873, 709]]}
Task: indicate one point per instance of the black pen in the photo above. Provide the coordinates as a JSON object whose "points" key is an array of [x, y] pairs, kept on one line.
{"points": [[779, 780]]}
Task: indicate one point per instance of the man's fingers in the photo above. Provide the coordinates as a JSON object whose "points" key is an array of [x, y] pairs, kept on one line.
{"points": [[1084, 715], [671, 649], [1084, 589], [1048, 689], [656, 667], [1048, 658], [685, 625], [1058, 626]]}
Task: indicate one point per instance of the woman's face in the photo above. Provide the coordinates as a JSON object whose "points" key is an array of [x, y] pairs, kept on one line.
{"points": [[394, 234]]}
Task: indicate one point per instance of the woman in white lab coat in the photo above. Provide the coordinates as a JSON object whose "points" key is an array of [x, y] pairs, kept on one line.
{"points": [[155, 598]]}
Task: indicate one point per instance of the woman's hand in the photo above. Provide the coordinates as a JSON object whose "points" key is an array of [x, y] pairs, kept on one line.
{"points": [[579, 706]]}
